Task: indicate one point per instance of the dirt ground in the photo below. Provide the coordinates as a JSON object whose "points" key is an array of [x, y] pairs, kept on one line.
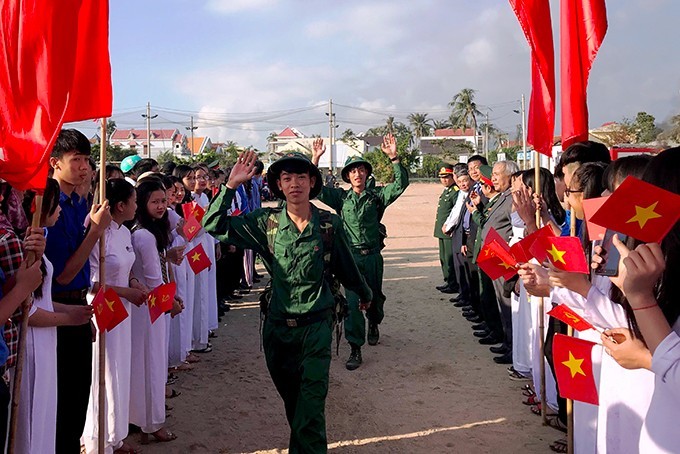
{"points": [[428, 387]]}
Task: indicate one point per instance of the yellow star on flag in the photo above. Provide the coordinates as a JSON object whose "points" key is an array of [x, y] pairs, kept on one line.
{"points": [[100, 307], [153, 301], [506, 266], [557, 255], [110, 304], [196, 257], [574, 365], [642, 215]]}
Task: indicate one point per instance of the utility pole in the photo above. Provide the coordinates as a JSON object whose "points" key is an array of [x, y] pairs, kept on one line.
{"points": [[191, 128], [331, 132], [524, 135], [486, 136], [148, 117]]}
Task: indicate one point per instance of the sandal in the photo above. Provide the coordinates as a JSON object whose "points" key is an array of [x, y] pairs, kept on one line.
{"points": [[532, 400], [536, 409], [127, 449], [207, 349], [183, 366], [161, 436], [560, 445], [528, 393], [191, 358], [554, 422], [173, 393]]}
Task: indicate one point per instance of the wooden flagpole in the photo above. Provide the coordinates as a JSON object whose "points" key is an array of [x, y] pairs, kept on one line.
{"points": [[30, 259], [570, 333], [101, 414], [541, 300]]}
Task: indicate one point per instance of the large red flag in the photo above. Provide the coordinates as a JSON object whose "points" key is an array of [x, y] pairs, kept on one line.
{"points": [[583, 24], [47, 59], [574, 368], [534, 17]]}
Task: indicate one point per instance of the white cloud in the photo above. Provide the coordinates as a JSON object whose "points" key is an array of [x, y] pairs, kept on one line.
{"points": [[234, 6]]}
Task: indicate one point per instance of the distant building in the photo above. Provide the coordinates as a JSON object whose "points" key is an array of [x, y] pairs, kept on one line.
{"points": [[162, 141], [290, 139], [446, 141]]}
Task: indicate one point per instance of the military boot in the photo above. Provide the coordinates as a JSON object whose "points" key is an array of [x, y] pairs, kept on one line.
{"points": [[354, 360], [373, 333]]}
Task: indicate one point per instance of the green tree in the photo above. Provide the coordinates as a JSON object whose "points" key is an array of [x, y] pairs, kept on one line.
{"points": [[165, 156], [672, 131], [408, 154], [644, 128], [441, 124], [348, 136], [113, 153], [430, 167], [464, 111], [420, 124]]}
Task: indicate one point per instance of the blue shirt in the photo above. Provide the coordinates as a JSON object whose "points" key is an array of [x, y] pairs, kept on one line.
{"points": [[64, 239], [4, 351], [566, 227]]}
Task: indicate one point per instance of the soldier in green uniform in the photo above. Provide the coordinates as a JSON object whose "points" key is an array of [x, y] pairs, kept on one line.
{"points": [[446, 201], [297, 330], [361, 210]]}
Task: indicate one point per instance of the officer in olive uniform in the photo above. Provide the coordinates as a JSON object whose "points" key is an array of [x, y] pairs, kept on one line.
{"points": [[297, 330], [361, 210], [446, 201]]}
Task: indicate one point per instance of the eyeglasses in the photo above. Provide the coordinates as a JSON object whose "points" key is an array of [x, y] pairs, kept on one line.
{"points": [[571, 191]]}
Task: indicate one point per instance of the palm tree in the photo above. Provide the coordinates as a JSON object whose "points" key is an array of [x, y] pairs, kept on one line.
{"points": [[390, 124], [441, 124], [420, 124], [464, 110]]}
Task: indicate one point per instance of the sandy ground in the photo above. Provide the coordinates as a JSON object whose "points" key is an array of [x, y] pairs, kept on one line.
{"points": [[428, 387]]}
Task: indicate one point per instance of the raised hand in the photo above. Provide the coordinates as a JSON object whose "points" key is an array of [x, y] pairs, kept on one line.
{"points": [[100, 217], [318, 149], [629, 352], [389, 146], [243, 170]]}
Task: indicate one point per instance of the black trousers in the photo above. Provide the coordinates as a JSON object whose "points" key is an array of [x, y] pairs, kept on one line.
{"points": [[555, 326], [473, 273], [74, 377], [4, 413]]}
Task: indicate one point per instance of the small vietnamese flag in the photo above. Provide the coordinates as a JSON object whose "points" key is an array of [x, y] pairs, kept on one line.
{"points": [[590, 207], [574, 368], [567, 315], [160, 300], [522, 249], [191, 228], [198, 259], [108, 309], [215, 191], [496, 261], [193, 209], [564, 253], [236, 212], [640, 210]]}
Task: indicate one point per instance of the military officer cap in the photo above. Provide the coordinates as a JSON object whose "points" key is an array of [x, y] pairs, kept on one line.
{"points": [[446, 171], [352, 162], [485, 172], [300, 161]]}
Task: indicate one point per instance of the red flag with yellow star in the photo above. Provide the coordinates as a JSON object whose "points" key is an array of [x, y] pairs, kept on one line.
{"points": [[573, 362], [564, 253], [198, 259], [496, 261], [522, 249], [109, 310], [160, 300], [640, 210], [191, 228], [193, 209], [567, 315]]}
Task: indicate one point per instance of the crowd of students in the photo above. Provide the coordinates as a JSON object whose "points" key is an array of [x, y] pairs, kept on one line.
{"points": [[637, 362], [145, 245]]}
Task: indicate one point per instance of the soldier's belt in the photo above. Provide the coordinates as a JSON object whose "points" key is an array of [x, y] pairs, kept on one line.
{"points": [[374, 250], [304, 319]]}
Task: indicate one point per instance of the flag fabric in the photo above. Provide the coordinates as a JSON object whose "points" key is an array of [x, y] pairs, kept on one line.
{"points": [[573, 362], [590, 207], [496, 261], [160, 300], [567, 315], [193, 209], [564, 253], [522, 249], [191, 228], [198, 259], [583, 25], [534, 17], [236, 212], [640, 210], [46, 47], [109, 310]]}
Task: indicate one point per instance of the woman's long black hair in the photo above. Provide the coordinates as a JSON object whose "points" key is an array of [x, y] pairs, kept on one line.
{"points": [[159, 228], [662, 171], [548, 192], [180, 172]]}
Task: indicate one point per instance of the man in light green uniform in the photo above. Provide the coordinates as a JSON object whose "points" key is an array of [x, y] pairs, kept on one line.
{"points": [[446, 201], [297, 330], [361, 210]]}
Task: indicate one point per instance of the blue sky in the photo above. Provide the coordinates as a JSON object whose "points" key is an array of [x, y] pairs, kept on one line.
{"points": [[244, 68]]}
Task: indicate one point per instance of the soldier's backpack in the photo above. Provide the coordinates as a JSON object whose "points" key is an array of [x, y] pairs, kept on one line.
{"points": [[341, 307]]}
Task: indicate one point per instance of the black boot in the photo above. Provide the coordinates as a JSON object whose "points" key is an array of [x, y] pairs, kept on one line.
{"points": [[354, 360], [373, 333]]}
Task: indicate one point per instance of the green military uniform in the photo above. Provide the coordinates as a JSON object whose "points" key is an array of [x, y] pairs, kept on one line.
{"points": [[447, 200], [361, 215], [298, 357]]}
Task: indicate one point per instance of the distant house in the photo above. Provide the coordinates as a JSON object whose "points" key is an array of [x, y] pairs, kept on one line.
{"points": [[446, 141], [290, 139], [199, 145], [162, 141]]}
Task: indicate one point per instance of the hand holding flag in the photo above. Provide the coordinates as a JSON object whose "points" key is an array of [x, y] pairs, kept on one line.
{"points": [[563, 252]]}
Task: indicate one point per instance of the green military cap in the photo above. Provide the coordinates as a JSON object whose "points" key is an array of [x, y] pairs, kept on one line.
{"points": [[485, 172], [354, 161], [300, 161]]}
